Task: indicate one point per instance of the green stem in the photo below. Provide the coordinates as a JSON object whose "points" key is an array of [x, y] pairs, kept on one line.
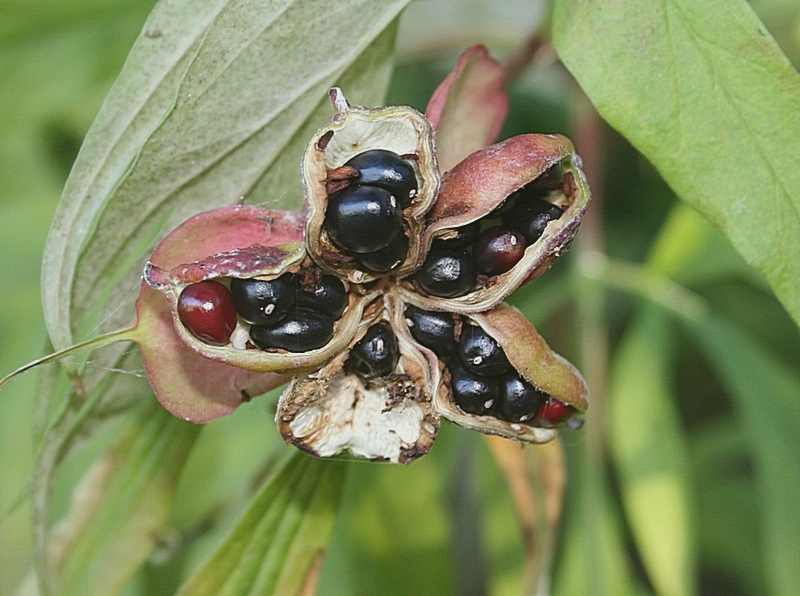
{"points": [[127, 333], [640, 281]]}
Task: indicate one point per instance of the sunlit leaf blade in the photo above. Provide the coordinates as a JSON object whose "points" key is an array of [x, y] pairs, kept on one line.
{"points": [[120, 505], [650, 454], [593, 559], [279, 539], [703, 91], [210, 99], [767, 395]]}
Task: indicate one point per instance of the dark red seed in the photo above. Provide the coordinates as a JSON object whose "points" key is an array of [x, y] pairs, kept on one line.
{"points": [[206, 310], [497, 250], [552, 412]]}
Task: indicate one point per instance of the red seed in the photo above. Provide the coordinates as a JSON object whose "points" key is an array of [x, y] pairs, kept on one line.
{"points": [[552, 411], [497, 250], [206, 310]]}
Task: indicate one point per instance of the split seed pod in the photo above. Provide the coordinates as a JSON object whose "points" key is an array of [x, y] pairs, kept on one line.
{"points": [[390, 417], [253, 261], [475, 190], [355, 130]]}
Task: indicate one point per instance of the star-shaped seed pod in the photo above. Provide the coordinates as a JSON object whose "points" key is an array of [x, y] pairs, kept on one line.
{"points": [[386, 306]]}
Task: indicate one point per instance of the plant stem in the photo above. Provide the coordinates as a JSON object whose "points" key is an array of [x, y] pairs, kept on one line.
{"points": [[127, 333]]}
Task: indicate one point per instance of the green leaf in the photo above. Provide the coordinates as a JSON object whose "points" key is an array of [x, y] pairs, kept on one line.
{"points": [[278, 543], [766, 394], [593, 559], [214, 103], [703, 91], [120, 505], [651, 454]]}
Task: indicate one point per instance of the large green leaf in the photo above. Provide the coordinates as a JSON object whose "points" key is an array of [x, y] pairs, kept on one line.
{"points": [[651, 454], [120, 505], [213, 106], [767, 395], [276, 546], [702, 90]]}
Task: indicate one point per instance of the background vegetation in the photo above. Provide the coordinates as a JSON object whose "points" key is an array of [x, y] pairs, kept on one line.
{"points": [[685, 477]]}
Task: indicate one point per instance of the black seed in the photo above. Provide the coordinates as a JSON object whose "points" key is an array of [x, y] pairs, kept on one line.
{"points": [[329, 297], [465, 235], [550, 179], [386, 258], [506, 206], [363, 219], [481, 353], [530, 217], [518, 399], [376, 354], [434, 330], [447, 273], [264, 302], [301, 331], [474, 394], [386, 170]]}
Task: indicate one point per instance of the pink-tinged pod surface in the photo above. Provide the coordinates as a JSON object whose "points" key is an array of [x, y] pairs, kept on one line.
{"points": [[529, 355], [479, 184], [188, 384]]}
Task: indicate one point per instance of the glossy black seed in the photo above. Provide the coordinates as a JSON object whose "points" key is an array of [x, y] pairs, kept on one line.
{"points": [[301, 331], [465, 235], [550, 179], [530, 217], [506, 206], [518, 399], [328, 297], [447, 273], [264, 302], [386, 258], [385, 169], [376, 354], [434, 330], [473, 394], [363, 219], [481, 353], [497, 250]]}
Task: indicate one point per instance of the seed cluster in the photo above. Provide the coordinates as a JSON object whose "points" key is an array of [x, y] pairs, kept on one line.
{"points": [[482, 379], [495, 243], [365, 218], [283, 313]]}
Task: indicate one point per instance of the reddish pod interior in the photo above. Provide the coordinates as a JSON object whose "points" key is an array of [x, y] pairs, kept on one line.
{"points": [[206, 309]]}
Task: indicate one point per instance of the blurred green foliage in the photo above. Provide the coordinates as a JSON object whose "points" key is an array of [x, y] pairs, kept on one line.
{"points": [[714, 389]]}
